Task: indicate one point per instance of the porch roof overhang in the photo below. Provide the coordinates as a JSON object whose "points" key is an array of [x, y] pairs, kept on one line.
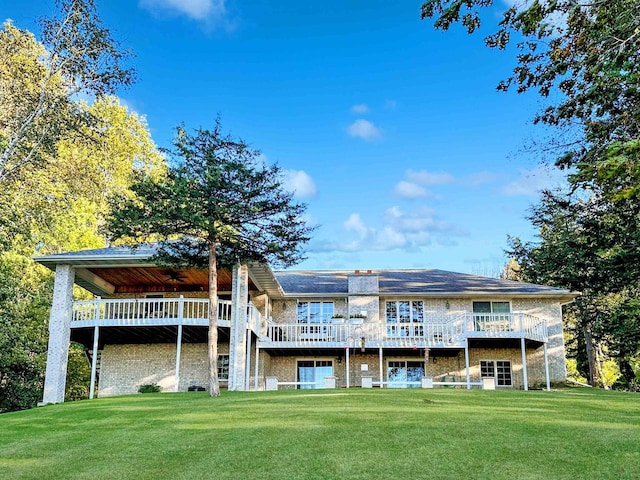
{"points": [[107, 271]]}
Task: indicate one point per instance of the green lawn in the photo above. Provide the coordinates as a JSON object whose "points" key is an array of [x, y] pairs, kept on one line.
{"points": [[330, 434]]}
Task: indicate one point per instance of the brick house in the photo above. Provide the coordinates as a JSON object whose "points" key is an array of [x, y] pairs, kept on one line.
{"points": [[299, 329]]}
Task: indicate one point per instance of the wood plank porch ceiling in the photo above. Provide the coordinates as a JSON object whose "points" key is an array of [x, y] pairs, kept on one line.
{"points": [[162, 279]]}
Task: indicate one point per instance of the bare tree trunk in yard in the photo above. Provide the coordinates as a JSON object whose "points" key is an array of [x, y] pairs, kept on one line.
{"points": [[588, 340], [214, 386]]}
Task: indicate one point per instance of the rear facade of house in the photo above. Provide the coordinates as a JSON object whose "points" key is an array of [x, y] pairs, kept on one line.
{"points": [[299, 329]]}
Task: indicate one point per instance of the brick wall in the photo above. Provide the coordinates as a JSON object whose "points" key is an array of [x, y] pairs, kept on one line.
{"points": [[124, 368]]}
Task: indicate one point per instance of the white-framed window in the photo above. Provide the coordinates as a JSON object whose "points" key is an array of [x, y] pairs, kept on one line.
{"points": [[493, 316], [498, 369], [312, 372], [492, 307], [405, 318], [315, 312], [223, 367], [399, 372]]}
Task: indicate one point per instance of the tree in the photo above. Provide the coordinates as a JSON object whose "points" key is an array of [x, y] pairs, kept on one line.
{"points": [[39, 82], [589, 53], [584, 247], [24, 300], [62, 205], [218, 205], [51, 208]]}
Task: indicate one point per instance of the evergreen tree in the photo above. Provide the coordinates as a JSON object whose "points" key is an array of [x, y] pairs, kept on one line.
{"points": [[218, 205]]}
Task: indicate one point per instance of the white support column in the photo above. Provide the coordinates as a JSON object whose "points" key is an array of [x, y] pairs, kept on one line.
{"points": [[247, 379], [466, 362], [237, 337], [176, 387], [347, 362], [546, 367], [381, 365], [255, 377], [59, 335], [94, 362], [525, 381]]}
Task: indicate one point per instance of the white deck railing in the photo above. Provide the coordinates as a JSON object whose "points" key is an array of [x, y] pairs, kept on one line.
{"points": [[451, 332], [155, 311]]}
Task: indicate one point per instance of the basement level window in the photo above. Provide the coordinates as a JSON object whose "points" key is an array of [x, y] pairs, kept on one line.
{"points": [[498, 369], [223, 368]]}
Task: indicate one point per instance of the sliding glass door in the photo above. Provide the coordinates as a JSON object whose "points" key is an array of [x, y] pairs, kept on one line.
{"points": [[311, 373]]}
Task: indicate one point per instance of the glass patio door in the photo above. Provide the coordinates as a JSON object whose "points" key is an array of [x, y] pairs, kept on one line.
{"points": [[312, 372]]}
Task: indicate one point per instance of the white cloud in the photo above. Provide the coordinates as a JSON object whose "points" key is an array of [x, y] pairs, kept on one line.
{"points": [[364, 129], [481, 178], [354, 223], [360, 108], [196, 9], [429, 178], [390, 104], [532, 181], [414, 185], [300, 183], [400, 230], [411, 190]]}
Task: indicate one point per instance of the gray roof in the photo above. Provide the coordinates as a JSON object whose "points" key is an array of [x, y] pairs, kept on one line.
{"points": [[330, 283], [110, 256], [412, 282]]}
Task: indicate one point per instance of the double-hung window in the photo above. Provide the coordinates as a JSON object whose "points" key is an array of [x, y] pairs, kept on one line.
{"points": [[405, 318]]}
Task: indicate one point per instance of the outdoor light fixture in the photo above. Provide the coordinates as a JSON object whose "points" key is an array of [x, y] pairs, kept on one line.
{"points": [[362, 345], [340, 359], [446, 305]]}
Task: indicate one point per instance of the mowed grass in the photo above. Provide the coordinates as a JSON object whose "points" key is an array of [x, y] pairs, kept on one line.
{"points": [[329, 434]]}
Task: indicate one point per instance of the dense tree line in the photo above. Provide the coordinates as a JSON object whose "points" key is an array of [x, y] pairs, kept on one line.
{"points": [[583, 58], [61, 160]]}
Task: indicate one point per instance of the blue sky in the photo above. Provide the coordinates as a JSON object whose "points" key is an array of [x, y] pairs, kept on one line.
{"points": [[390, 131]]}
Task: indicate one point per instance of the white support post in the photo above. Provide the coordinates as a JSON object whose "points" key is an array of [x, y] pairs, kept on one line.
{"points": [[59, 335], [237, 337], [255, 376], [381, 365], [546, 367], [466, 362], [181, 308], [94, 362], [525, 381], [247, 379], [176, 387], [347, 361]]}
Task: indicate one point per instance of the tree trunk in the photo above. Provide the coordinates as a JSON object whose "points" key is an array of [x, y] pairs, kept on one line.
{"points": [[588, 340], [214, 386], [626, 370]]}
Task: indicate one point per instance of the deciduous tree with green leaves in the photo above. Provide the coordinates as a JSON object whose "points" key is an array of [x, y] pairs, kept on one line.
{"points": [[583, 57], [588, 54], [218, 205], [39, 82]]}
